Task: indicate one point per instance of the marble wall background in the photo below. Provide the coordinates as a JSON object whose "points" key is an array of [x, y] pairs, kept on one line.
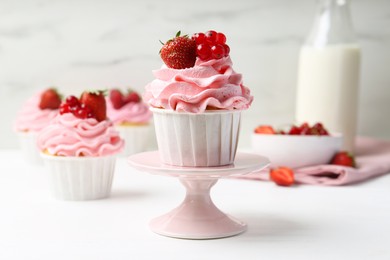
{"points": [[83, 44]]}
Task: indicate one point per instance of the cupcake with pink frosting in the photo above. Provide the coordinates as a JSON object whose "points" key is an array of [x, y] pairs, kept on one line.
{"points": [[35, 114], [79, 148], [197, 99], [132, 118]]}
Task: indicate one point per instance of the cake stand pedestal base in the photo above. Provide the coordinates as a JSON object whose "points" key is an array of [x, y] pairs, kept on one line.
{"points": [[197, 217]]}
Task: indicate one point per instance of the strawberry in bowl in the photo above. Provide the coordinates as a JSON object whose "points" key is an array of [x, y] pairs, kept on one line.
{"points": [[297, 146]]}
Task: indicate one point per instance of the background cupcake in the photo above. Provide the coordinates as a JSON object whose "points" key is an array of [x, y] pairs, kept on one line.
{"points": [[79, 148], [197, 99], [132, 118], [35, 114]]}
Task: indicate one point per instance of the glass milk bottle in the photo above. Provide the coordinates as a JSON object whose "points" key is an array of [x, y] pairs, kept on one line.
{"points": [[328, 73]]}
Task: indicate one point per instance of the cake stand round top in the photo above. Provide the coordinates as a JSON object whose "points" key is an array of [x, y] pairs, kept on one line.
{"points": [[244, 163]]}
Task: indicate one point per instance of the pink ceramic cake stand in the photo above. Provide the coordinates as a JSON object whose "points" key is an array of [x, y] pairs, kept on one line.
{"points": [[197, 217]]}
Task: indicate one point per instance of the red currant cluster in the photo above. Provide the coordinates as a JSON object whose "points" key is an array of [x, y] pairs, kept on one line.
{"points": [[306, 129], [78, 109], [211, 45]]}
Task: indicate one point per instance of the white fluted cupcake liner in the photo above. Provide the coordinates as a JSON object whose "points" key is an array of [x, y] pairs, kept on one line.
{"points": [[137, 138], [28, 145], [197, 140], [80, 178]]}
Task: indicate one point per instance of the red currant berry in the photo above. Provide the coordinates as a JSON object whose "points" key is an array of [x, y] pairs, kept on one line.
{"points": [[83, 111], [318, 125], [211, 36], [304, 129], [72, 101], [323, 132], [217, 51], [221, 38], [64, 108], [313, 131], [320, 129], [294, 130], [227, 49], [199, 38], [203, 51]]}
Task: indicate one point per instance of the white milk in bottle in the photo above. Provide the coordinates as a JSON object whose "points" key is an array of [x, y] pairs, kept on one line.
{"points": [[328, 73]]}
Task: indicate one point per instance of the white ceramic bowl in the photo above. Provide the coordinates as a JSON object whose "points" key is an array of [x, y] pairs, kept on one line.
{"points": [[296, 151]]}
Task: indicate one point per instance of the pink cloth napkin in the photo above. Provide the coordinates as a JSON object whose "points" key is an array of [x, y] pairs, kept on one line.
{"points": [[372, 160]]}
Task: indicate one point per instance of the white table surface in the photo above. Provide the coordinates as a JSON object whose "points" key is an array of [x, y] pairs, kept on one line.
{"points": [[302, 222]]}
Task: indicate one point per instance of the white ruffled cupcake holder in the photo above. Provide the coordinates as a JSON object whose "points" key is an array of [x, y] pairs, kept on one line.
{"points": [[197, 139], [29, 148], [137, 138], [80, 178]]}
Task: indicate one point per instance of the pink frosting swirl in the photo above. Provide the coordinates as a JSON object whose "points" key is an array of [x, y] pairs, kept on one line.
{"points": [[209, 84], [130, 113], [68, 135], [31, 117]]}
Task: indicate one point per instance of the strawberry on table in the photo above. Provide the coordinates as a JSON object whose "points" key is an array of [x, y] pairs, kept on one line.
{"points": [[343, 158], [50, 99], [179, 52], [282, 176]]}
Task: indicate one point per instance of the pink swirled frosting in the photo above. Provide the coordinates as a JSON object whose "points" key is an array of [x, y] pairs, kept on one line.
{"points": [[68, 135], [31, 117], [209, 84], [130, 113]]}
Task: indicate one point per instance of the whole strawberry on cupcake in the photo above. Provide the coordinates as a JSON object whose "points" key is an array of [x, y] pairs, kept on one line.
{"points": [[131, 117], [197, 99], [79, 148], [35, 114]]}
